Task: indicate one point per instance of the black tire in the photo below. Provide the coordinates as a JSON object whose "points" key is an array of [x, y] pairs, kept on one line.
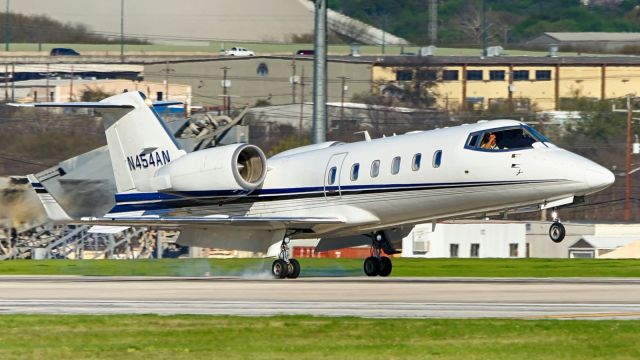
{"points": [[385, 266], [557, 232], [371, 266], [279, 269], [293, 270]]}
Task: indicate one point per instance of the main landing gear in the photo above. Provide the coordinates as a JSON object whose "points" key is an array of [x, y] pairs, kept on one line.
{"points": [[376, 264], [556, 230], [283, 266]]}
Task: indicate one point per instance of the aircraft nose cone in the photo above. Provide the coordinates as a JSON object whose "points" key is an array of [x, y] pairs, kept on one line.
{"points": [[599, 178]]}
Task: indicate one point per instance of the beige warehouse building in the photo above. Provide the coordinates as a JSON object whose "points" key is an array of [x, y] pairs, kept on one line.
{"points": [[523, 82]]}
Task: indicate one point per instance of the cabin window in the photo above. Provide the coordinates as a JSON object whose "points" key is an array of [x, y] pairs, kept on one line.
{"points": [[354, 171], [415, 164], [395, 165], [437, 158], [473, 140], [375, 168], [331, 178]]}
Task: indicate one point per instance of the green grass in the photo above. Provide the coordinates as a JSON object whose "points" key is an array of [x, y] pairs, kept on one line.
{"points": [[330, 267], [303, 337]]}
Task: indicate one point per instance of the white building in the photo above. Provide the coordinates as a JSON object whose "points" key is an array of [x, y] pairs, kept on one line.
{"points": [[478, 239]]}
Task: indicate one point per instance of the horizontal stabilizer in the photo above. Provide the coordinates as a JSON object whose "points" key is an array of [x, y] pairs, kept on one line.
{"points": [[54, 211], [92, 104]]}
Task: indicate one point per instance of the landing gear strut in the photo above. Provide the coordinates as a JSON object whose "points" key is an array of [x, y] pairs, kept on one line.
{"points": [[376, 264], [556, 230], [283, 266]]}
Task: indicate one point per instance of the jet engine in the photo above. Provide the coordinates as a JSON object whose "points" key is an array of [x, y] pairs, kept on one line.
{"points": [[237, 168]]}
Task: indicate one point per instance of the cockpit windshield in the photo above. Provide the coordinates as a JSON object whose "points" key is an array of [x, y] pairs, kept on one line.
{"points": [[505, 139]]}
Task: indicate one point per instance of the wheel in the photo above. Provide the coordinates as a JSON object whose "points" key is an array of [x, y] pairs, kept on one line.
{"points": [[293, 270], [371, 266], [385, 266], [279, 269], [557, 232]]}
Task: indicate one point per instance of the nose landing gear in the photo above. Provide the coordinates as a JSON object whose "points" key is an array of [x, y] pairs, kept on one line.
{"points": [[556, 230], [376, 264], [283, 266]]}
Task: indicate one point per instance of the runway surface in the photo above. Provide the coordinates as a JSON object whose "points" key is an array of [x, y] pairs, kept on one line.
{"points": [[348, 296]]}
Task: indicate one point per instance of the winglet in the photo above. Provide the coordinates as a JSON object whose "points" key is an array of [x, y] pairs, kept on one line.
{"points": [[54, 211]]}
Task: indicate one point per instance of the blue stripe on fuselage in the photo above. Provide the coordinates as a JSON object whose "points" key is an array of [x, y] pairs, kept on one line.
{"points": [[160, 201]]}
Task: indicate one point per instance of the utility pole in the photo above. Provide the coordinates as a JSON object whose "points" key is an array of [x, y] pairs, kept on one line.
{"points": [[47, 84], [121, 31], [301, 104], [6, 83], [627, 184], [71, 85], [7, 28], [343, 89], [433, 21], [293, 80], [167, 69], [484, 28], [319, 132], [225, 85], [13, 82], [628, 153], [384, 30]]}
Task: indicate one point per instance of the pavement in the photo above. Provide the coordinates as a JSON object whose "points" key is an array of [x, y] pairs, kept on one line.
{"points": [[527, 298]]}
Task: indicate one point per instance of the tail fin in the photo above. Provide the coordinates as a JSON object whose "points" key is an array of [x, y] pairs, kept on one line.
{"points": [[54, 211], [139, 141]]}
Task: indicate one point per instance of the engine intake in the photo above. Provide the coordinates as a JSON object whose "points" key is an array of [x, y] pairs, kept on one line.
{"points": [[237, 168]]}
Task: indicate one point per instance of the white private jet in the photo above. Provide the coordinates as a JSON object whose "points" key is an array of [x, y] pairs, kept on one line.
{"points": [[367, 192]]}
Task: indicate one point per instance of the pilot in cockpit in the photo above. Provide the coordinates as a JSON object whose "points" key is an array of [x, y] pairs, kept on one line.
{"points": [[489, 141]]}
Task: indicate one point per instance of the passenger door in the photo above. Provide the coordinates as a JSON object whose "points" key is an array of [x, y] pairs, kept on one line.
{"points": [[332, 177]]}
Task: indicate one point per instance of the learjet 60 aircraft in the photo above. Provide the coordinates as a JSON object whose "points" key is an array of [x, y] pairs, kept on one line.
{"points": [[367, 192]]}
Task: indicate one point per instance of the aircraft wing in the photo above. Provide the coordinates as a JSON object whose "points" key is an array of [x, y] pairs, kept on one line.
{"points": [[252, 222]]}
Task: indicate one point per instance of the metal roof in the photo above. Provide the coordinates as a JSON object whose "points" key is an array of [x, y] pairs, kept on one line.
{"points": [[606, 242], [594, 36], [502, 60]]}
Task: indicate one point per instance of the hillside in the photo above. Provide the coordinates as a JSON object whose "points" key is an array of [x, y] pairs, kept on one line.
{"points": [[509, 21], [42, 29]]}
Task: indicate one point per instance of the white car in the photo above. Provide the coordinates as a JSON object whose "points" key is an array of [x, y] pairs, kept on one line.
{"points": [[239, 51]]}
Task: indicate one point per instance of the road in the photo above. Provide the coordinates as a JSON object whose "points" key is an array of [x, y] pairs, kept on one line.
{"points": [[348, 296]]}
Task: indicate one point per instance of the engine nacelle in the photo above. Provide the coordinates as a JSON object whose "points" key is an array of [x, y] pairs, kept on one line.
{"points": [[237, 167]]}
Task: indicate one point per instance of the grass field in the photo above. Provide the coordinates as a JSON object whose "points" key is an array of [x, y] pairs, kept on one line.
{"points": [[205, 337], [329, 267]]}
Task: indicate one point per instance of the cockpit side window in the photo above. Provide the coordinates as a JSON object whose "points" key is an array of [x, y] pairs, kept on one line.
{"points": [[505, 139]]}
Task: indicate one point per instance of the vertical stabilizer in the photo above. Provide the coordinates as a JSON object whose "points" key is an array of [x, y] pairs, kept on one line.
{"points": [[138, 139]]}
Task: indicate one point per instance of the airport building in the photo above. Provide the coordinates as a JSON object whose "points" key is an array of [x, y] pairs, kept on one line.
{"points": [[520, 83]]}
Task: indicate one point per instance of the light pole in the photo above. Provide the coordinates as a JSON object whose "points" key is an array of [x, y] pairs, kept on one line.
{"points": [[343, 89], [121, 31], [7, 28]]}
